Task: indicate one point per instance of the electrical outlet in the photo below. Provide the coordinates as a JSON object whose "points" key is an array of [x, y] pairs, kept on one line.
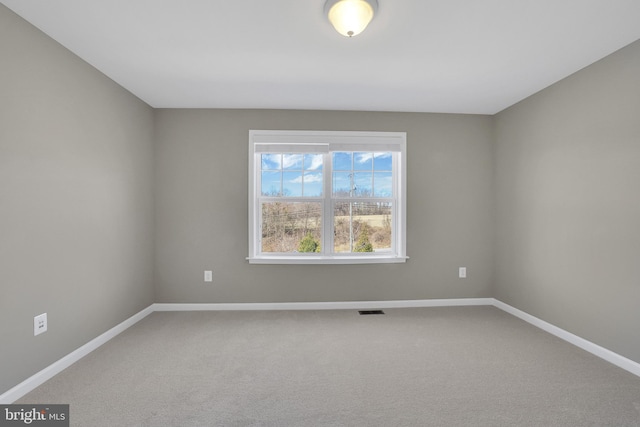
{"points": [[462, 272], [208, 276], [40, 324]]}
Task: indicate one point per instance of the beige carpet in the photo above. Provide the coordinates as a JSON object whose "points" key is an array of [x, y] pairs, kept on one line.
{"points": [[454, 366]]}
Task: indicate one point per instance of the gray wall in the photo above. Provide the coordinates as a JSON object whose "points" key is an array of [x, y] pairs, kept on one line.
{"points": [[567, 174], [201, 210], [76, 204]]}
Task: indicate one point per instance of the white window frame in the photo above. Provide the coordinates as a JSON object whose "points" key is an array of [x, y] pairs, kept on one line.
{"points": [[327, 141]]}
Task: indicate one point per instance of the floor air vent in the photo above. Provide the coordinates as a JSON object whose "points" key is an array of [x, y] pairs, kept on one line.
{"points": [[363, 312]]}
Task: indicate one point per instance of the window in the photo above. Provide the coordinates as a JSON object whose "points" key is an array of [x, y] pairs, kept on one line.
{"points": [[327, 197]]}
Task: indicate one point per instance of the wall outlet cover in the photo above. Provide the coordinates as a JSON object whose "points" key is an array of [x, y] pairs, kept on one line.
{"points": [[40, 324]]}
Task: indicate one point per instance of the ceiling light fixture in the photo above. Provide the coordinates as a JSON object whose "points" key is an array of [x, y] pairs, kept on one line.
{"points": [[350, 17]]}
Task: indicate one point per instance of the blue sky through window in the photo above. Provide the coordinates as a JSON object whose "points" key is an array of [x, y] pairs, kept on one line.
{"points": [[362, 174], [292, 175], [359, 174]]}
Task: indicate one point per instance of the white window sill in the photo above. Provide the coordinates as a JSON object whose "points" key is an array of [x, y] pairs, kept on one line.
{"points": [[327, 260]]}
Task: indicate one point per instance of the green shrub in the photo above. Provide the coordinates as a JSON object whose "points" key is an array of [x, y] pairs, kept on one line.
{"points": [[309, 244], [363, 244]]}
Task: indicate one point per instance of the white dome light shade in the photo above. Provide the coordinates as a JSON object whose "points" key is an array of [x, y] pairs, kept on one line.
{"points": [[350, 17]]}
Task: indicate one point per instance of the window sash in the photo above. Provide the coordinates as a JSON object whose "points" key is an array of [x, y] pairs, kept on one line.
{"points": [[329, 202]]}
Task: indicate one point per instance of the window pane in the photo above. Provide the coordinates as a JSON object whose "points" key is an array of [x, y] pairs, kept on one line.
{"points": [[291, 227], [343, 183], [271, 161], [362, 227], [383, 161], [383, 184], [313, 162], [312, 184], [292, 161], [271, 183], [292, 184], [363, 184], [342, 161], [362, 161]]}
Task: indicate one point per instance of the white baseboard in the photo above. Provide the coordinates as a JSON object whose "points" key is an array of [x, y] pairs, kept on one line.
{"points": [[601, 352], [55, 368], [34, 381], [337, 305]]}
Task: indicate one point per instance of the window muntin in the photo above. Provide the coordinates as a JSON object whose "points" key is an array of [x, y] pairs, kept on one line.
{"points": [[327, 197]]}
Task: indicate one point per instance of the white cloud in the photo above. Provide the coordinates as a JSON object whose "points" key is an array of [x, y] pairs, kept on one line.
{"points": [[290, 160], [365, 157], [294, 161], [316, 163], [308, 178]]}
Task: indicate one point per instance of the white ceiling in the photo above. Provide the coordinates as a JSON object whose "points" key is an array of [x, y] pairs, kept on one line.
{"points": [[457, 56]]}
